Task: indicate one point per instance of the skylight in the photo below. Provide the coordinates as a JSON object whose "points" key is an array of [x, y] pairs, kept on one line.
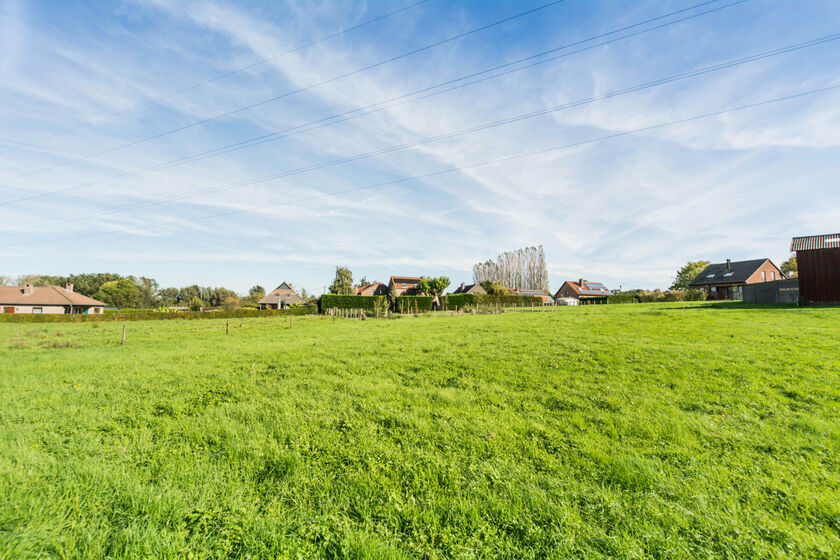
{"points": [[710, 276], [728, 274]]}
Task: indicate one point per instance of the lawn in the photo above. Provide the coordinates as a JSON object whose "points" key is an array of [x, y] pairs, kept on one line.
{"points": [[623, 431]]}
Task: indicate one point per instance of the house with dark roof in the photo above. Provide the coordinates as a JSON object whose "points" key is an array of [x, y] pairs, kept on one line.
{"points": [[724, 280], [546, 299], [47, 299], [585, 291], [280, 298], [403, 285], [818, 268], [469, 289], [372, 289]]}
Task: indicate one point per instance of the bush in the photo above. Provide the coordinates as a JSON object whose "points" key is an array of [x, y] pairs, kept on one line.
{"points": [[374, 304], [186, 315], [457, 301], [413, 304], [508, 301], [622, 298]]}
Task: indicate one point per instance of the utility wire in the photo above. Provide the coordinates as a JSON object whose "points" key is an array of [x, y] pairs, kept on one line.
{"points": [[286, 94], [457, 133], [396, 101], [447, 170], [208, 81]]}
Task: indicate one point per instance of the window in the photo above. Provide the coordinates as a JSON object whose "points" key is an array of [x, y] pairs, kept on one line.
{"points": [[714, 288], [405, 286], [37, 310], [710, 276], [728, 274], [764, 276], [772, 275]]}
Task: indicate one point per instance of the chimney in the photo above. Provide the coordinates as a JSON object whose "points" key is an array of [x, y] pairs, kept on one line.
{"points": [[463, 285], [581, 281], [27, 290], [69, 287], [728, 264]]}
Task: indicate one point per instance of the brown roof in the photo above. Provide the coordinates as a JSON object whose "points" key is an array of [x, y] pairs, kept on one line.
{"points": [[360, 289], [284, 289], [816, 242], [44, 295], [585, 288]]}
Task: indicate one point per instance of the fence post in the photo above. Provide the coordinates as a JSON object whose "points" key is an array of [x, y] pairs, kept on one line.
{"points": [[227, 327], [123, 335]]}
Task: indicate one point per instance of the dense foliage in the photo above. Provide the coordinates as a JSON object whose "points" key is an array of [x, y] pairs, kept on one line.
{"points": [[343, 282], [789, 267], [688, 273], [146, 315], [374, 304], [657, 296], [413, 304]]}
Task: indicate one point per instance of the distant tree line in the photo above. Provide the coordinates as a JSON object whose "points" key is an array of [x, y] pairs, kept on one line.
{"points": [[132, 292], [523, 269]]}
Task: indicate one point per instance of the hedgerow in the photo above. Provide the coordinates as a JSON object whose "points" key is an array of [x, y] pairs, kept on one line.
{"points": [[375, 304], [154, 316], [413, 304]]}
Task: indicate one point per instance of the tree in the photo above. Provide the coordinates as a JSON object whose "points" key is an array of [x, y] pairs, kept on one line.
{"points": [[195, 304], [494, 288], [523, 269], [255, 294], [168, 296], [343, 283], [688, 273], [231, 303], [789, 267], [433, 286], [122, 293]]}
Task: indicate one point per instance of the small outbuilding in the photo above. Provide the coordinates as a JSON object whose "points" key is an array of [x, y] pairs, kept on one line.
{"points": [[47, 299], [818, 268], [726, 280]]}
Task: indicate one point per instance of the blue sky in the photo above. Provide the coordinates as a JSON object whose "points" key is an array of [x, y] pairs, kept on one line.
{"points": [[627, 211]]}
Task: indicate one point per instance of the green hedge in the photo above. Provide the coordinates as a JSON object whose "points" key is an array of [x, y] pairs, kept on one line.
{"points": [[186, 315], [458, 301], [508, 301], [375, 304], [413, 304]]}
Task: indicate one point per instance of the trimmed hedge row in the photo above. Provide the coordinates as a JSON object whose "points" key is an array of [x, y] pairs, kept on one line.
{"points": [[185, 315], [456, 301], [453, 301], [413, 304], [374, 304]]}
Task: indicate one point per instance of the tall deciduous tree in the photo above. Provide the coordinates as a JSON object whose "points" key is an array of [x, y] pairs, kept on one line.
{"points": [[122, 293], [688, 273], [524, 269], [789, 267], [433, 286], [343, 283]]}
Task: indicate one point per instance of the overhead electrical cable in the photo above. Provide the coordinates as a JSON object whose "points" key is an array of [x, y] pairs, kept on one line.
{"points": [[427, 92], [445, 171], [283, 95], [251, 66], [457, 133]]}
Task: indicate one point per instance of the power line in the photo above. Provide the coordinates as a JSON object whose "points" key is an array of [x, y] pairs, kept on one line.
{"points": [[286, 94], [208, 80], [390, 103], [448, 170], [453, 134]]}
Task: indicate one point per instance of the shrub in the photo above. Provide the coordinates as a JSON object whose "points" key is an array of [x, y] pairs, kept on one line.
{"points": [[412, 304], [456, 301], [374, 304], [186, 315], [622, 298], [508, 300]]}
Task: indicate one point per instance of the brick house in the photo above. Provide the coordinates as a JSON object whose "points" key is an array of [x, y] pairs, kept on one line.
{"points": [[282, 297], [469, 289], [47, 299], [403, 285], [585, 291], [724, 280], [374, 289]]}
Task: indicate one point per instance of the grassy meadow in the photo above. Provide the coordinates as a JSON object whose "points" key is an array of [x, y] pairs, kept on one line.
{"points": [[623, 431]]}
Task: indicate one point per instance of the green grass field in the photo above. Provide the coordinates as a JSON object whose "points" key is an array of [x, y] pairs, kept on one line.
{"points": [[624, 431]]}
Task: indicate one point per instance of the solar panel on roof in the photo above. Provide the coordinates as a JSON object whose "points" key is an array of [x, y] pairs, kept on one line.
{"points": [[595, 286]]}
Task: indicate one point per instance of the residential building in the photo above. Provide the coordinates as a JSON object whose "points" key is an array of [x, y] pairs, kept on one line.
{"points": [[47, 299], [403, 285], [280, 298], [469, 289], [725, 280], [373, 289], [585, 291], [546, 299], [818, 268]]}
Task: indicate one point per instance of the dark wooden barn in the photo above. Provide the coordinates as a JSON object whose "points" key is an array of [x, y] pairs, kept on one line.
{"points": [[818, 265]]}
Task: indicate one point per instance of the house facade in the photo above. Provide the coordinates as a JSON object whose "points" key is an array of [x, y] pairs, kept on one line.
{"points": [[48, 300], [469, 289], [280, 298], [725, 280], [584, 291], [818, 268], [374, 289], [403, 285]]}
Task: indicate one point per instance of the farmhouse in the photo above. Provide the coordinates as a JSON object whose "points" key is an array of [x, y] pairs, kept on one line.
{"points": [[725, 280], [47, 299], [469, 289], [584, 291], [374, 289], [403, 285], [282, 297], [818, 266]]}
